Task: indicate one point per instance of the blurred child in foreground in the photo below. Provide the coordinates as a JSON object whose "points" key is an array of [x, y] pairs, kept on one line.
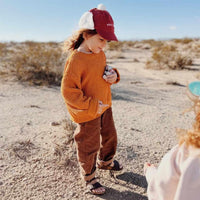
{"points": [[178, 175]]}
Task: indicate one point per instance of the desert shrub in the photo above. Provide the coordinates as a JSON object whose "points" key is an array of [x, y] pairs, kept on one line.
{"points": [[148, 44], [4, 52], [39, 63], [129, 43], [65, 155], [3, 48], [66, 152], [120, 45], [196, 50], [168, 57], [23, 149], [183, 41], [144, 44], [114, 46], [69, 126], [152, 43]]}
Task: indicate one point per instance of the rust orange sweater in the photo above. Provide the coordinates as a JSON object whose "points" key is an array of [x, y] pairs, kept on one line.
{"points": [[83, 85]]}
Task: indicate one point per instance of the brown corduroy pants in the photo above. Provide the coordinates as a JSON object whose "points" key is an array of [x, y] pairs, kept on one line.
{"points": [[95, 139]]}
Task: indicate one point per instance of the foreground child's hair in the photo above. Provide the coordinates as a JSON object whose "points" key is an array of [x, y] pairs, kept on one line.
{"points": [[76, 39], [192, 137]]}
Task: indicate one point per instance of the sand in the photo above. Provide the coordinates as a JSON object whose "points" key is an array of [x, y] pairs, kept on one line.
{"points": [[37, 163]]}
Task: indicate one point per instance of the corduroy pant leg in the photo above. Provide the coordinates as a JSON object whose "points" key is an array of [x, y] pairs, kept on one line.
{"points": [[108, 138], [87, 138]]}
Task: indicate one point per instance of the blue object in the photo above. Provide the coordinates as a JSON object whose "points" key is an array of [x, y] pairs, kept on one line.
{"points": [[194, 88]]}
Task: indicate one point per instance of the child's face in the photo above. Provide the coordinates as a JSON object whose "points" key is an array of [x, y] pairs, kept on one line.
{"points": [[95, 43]]}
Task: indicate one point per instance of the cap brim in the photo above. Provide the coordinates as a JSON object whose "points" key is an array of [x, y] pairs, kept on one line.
{"points": [[107, 35]]}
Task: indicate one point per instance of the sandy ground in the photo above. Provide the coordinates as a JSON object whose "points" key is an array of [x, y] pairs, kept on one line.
{"points": [[37, 163]]}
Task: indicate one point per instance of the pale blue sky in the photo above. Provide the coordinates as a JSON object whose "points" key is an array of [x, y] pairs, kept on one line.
{"points": [[55, 20]]}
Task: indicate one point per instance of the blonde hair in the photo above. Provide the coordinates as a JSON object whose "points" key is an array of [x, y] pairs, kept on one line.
{"points": [[192, 137], [76, 39]]}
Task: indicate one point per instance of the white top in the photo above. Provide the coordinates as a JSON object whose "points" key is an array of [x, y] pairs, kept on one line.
{"points": [[177, 177]]}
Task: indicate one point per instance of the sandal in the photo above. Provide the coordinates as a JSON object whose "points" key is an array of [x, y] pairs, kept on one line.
{"points": [[95, 187], [115, 167]]}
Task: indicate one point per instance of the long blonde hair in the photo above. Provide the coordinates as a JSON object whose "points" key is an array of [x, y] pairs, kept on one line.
{"points": [[192, 137], [76, 39]]}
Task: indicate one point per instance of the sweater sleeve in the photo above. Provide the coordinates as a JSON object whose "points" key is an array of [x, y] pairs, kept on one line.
{"points": [[74, 96], [162, 181], [189, 183], [118, 75]]}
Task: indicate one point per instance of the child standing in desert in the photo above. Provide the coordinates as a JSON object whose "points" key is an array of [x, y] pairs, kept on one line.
{"points": [[178, 175], [86, 90]]}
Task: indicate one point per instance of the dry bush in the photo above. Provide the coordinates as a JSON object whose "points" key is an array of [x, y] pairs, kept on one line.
{"points": [[70, 127], [33, 62], [66, 153], [167, 57], [183, 41], [196, 50], [120, 45], [152, 43], [197, 47], [3, 49], [114, 46], [129, 43], [148, 44], [39, 64], [3, 52], [23, 149]]}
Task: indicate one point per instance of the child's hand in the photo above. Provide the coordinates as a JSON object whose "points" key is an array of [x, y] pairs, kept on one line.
{"points": [[111, 77], [101, 107], [146, 166]]}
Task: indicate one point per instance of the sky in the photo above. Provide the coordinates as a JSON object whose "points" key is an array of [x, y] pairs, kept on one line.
{"points": [[56, 20]]}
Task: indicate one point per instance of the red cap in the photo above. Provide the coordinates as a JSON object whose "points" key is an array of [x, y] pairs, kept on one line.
{"points": [[103, 23]]}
